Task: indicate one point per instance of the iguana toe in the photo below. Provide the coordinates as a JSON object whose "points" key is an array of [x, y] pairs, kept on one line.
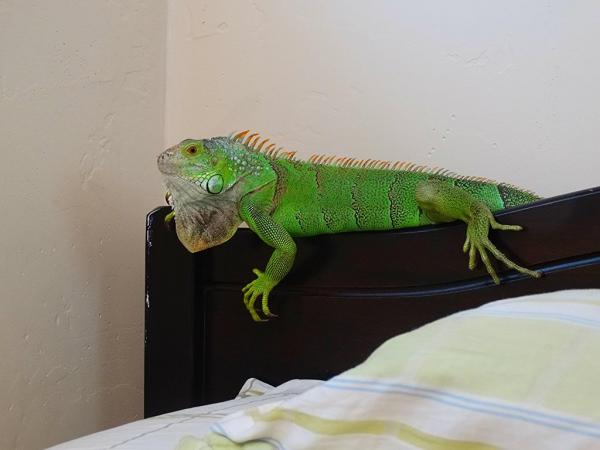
{"points": [[478, 243], [260, 287], [169, 218]]}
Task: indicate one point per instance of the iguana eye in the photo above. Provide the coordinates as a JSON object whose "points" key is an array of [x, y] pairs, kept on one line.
{"points": [[192, 150], [215, 184]]}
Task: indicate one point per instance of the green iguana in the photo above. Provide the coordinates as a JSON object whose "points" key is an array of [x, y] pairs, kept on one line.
{"points": [[216, 184]]}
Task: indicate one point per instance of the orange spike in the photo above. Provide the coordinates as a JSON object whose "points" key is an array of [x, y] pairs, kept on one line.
{"points": [[260, 146], [254, 142], [240, 135], [249, 138]]}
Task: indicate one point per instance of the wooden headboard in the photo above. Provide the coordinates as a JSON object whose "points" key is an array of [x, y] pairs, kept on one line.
{"points": [[346, 294]]}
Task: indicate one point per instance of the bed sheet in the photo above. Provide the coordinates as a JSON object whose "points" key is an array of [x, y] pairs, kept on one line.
{"points": [[165, 431]]}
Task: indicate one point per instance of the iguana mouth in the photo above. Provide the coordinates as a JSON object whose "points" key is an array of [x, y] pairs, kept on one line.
{"points": [[165, 162]]}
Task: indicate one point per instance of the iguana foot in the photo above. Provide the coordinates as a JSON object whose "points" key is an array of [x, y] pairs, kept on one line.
{"points": [[261, 286], [478, 243], [169, 218]]}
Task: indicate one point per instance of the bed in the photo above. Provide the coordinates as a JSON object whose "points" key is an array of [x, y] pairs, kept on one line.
{"points": [[346, 295]]}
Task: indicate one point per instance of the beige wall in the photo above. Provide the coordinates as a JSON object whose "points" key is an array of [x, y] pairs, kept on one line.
{"points": [[507, 90], [81, 122]]}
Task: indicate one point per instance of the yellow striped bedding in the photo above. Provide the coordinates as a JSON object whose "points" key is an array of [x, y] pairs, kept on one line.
{"points": [[522, 373]]}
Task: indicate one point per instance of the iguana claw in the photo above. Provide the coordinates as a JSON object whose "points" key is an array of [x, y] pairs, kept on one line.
{"points": [[261, 286], [478, 243]]}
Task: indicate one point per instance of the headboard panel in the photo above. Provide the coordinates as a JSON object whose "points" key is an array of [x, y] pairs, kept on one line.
{"points": [[346, 294]]}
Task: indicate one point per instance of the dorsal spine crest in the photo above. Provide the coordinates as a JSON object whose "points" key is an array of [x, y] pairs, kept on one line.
{"points": [[251, 141]]}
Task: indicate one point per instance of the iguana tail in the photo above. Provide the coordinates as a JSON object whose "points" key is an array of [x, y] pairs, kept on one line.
{"points": [[514, 196]]}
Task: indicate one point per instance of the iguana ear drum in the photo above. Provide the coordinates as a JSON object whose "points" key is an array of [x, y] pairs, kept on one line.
{"points": [[215, 184]]}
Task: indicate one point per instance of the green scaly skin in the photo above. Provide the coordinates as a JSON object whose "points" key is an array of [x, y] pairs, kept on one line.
{"points": [[216, 184]]}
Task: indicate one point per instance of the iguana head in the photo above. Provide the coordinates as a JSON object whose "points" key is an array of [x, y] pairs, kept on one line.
{"points": [[207, 179]]}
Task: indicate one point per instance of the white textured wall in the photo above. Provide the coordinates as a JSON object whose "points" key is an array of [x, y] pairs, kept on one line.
{"points": [[507, 89], [81, 122]]}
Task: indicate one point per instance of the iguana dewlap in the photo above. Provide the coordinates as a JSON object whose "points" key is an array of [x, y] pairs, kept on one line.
{"points": [[216, 184]]}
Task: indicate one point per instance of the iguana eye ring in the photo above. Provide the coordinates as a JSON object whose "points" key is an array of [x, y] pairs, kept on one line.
{"points": [[214, 184]]}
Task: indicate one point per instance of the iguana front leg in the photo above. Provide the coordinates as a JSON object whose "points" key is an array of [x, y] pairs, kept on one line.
{"points": [[442, 202], [279, 264]]}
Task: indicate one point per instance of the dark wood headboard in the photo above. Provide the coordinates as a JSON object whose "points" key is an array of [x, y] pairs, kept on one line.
{"points": [[346, 294]]}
